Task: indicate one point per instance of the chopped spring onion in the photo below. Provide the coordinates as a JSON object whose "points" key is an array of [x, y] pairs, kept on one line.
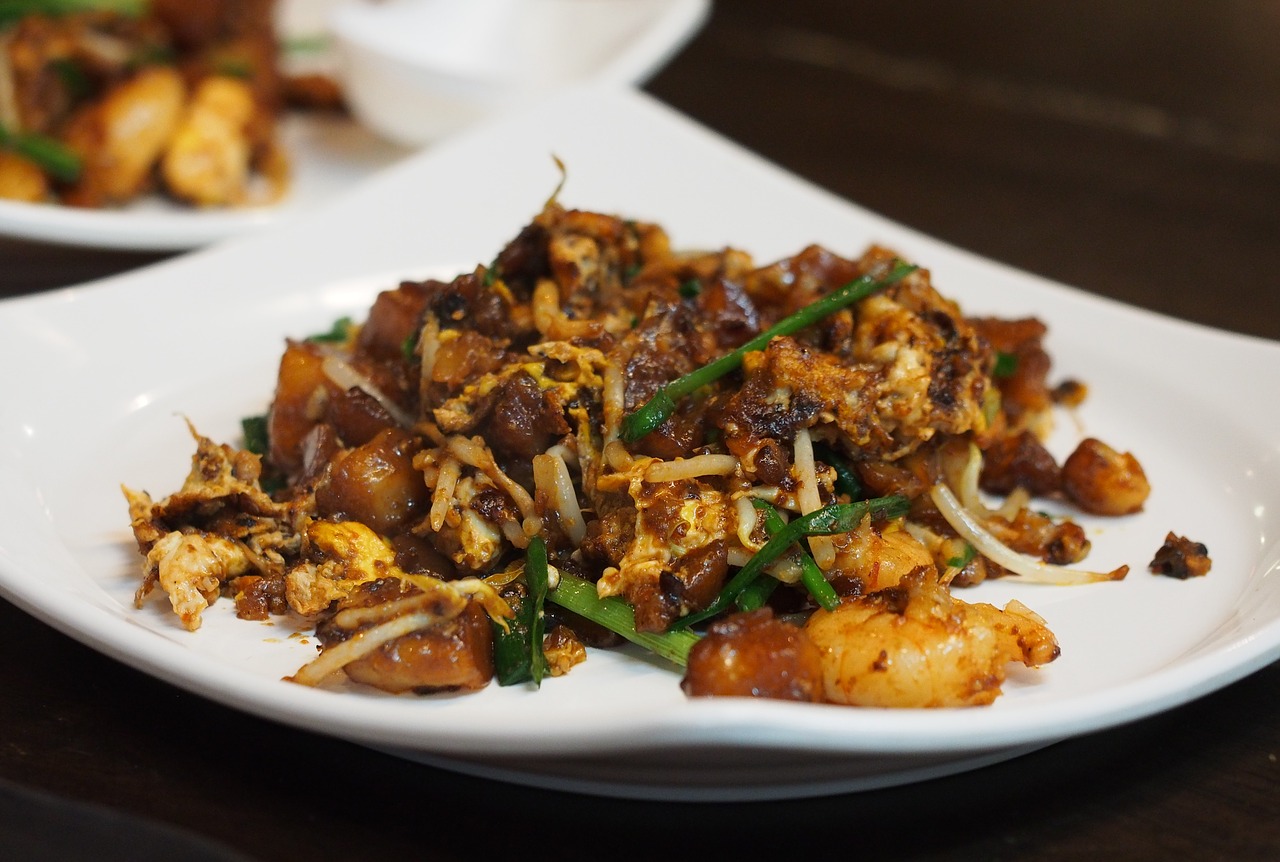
{"points": [[616, 615], [1006, 364], [1028, 569], [657, 409], [964, 558], [72, 76], [12, 10], [755, 594], [234, 67], [254, 429], [847, 481], [337, 334], [511, 642], [51, 156], [827, 521], [810, 575], [538, 579], [258, 441], [517, 645]]}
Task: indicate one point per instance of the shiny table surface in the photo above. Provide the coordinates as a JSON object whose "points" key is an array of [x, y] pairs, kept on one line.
{"points": [[1132, 150]]}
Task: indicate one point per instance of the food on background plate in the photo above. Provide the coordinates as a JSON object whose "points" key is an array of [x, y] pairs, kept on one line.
{"points": [[105, 101], [775, 477]]}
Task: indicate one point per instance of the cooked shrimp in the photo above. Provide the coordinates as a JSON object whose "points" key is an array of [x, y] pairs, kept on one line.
{"points": [[120, 138], [207, 162], [879, 556], [915, 645]]}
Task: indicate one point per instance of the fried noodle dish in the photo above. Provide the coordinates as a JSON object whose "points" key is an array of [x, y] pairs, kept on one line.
{"points": [[775, 477], [104, 101]]}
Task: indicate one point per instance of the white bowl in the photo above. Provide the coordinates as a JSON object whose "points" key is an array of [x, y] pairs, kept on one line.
{"points": [[417, 70]]}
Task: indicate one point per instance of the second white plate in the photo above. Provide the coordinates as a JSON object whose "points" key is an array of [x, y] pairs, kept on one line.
{"points": [[328, 154]]}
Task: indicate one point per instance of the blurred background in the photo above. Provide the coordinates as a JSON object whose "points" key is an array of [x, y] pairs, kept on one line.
{"points": [[1129, 149]]}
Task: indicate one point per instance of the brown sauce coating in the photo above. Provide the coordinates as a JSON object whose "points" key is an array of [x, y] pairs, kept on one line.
{"points": [[524, 420], [258, 597], [393, 322], [1025, 389], [1181, 558], [1020, 461], [754, 654], [1102, 481], [375, 484], [455, 656], [291, 416]]}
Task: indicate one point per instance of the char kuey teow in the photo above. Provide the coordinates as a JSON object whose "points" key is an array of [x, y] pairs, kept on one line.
{"points": [[777, 477]]}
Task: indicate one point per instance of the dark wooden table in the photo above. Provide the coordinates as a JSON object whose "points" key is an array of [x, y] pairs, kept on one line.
{"points": [[1129, 149]]}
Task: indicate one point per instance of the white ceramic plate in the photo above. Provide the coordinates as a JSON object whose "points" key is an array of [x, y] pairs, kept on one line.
{"points": [[101, 375], [328, 154], [419, 70]]}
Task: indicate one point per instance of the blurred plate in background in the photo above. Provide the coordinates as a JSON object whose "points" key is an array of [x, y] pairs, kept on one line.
{"points": [[418, 70]]}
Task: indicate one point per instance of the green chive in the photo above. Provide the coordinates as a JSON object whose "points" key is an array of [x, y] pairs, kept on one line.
{"points": [[755, 594], [254, 429], [337, 333], [72, 77], [52, 157], [12, 10], [965, 558], [656, 410], [537, 577], [1006, 364], [314, 43], [517, 646], [847, 481], [234, 67], [810, 575], [617, 616], [511, 657], [827, 521]]}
